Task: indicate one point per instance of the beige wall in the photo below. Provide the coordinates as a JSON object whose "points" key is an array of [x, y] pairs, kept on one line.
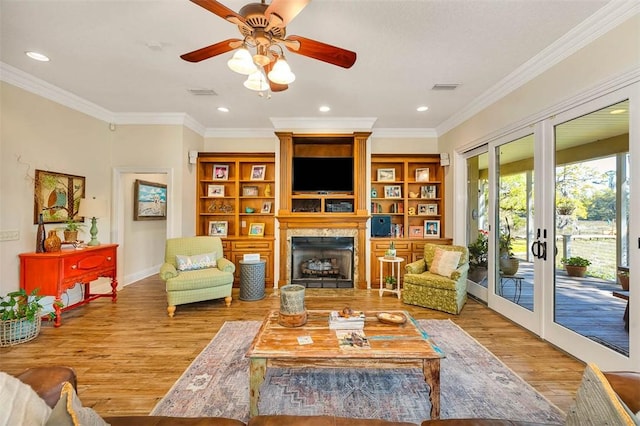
{"points": [[615, 52]]}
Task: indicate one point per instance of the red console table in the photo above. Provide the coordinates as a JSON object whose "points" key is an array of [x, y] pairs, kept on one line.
{"points": [[54, 273]]}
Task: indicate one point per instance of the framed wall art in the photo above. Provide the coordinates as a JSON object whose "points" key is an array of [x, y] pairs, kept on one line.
{"points": [[57, 196], [220, 172], [218, 228], [149, 200], [386, 175], [258, 172], [256, 230], [432, 228], [215, 191]]}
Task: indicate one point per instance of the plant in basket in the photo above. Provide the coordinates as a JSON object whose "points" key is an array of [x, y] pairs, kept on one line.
{"points": [[20, 317]]}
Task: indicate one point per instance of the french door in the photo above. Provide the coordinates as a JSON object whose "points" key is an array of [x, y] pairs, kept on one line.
{"points": [[549, 194]]}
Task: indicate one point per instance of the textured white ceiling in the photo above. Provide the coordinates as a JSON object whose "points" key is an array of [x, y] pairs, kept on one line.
{"points": [[100, 52]]}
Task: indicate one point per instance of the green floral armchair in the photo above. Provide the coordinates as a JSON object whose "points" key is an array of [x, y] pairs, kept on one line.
{"points": [[425, 288], [194, 270]]}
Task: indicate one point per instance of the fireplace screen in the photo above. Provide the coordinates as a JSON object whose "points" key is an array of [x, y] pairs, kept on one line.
{"points": [[322, 262]]}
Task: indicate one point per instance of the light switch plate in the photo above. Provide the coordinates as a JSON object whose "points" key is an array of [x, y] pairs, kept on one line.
{"points": [[10, 235]]}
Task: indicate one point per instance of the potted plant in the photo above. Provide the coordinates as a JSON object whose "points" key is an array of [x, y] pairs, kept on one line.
{"points": [[390, 282], [71, 229], [509, 264], [20, 317], [478, 257], [623, 277], [575, 266], [391, 251]]}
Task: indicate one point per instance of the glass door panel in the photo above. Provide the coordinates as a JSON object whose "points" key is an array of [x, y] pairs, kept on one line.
{"points": [[478, 223], [591, 225], [514, 274]]}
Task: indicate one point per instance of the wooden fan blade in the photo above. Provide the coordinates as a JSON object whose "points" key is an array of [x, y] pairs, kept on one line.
{"points": [[322, 51], [275, 87], [286, 9], [213, 50], [218, 8]]}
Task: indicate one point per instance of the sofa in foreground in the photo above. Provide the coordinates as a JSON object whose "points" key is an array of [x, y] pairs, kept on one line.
{"points": [[50, 399]]}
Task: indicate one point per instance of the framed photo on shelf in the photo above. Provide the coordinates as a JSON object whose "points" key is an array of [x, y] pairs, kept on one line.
{"points": [[422, 175], [266, 207], [428, 191], [423, 209], [416, 231], [249, 191], [220, 172], [218, 228], [432, 209], [215, 191], [432, 228], [392, 191], [258, 172], [386, 175], [256, 230]]}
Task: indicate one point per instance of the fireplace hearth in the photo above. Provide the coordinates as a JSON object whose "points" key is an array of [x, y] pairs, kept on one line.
{"points": [[322, 262]]}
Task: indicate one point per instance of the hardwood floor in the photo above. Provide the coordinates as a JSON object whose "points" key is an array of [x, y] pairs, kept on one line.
{"points": [[128, 354]]}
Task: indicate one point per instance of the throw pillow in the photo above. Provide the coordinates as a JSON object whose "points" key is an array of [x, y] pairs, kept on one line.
{"points": [[197, 261], [69, 411], [597, 403], [444, 262], [21, 404]]}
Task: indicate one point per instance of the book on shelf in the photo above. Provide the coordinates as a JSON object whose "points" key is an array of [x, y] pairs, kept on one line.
{"points": [[353, 322]]}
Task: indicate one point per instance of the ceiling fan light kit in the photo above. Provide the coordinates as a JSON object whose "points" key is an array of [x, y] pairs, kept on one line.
{"points": [[263, 28]]}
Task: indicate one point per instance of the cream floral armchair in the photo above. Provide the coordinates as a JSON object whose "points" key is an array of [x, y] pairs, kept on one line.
{"points": [[439, 280], [194, 270]]}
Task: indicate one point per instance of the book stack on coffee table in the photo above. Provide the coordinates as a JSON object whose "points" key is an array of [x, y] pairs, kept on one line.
{"points": [[352, 321]]}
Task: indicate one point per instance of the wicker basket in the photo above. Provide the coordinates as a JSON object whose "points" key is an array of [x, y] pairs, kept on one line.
{"points": [[14, 332]]}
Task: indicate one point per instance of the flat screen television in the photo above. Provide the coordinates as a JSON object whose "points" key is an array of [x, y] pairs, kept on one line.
{"points": [[322, 174]]}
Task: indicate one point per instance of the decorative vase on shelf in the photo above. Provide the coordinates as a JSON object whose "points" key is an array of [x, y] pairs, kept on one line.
{"points": [[267, 190], [53, 242], [40, 235]]}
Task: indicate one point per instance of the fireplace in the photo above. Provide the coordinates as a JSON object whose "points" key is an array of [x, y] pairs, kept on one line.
{"points": [[322, 262]]}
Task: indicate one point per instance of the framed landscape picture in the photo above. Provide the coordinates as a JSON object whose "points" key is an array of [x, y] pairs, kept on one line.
{"points": [[386, 175], [150, 201], [218, 228]]}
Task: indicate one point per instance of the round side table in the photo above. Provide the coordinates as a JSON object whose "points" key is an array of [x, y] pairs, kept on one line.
{"points": [[252, 279], [395, 272]]}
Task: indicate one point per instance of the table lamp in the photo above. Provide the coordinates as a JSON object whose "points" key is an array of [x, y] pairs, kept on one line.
{"points": [[93, 208]]}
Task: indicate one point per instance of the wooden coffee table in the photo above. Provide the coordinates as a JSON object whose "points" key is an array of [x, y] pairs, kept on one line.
{"points": [[391, 346]]}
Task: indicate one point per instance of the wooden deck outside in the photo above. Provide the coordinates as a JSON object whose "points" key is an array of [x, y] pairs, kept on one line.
{"points": [[584, 305]]}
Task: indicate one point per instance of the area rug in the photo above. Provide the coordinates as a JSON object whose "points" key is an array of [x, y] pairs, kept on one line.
{"points": [[474, 383]]}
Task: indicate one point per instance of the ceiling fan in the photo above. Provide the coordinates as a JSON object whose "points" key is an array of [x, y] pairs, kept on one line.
{"points": [[263, 28]]}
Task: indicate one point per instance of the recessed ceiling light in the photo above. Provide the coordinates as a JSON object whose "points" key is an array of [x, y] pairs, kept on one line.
{"points": [[618, 111], [324, 108], [223, 109], [38, 56], [422, 108]]}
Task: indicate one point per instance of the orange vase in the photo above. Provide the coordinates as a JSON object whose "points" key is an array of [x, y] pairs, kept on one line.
{"points": [[52, 243]]}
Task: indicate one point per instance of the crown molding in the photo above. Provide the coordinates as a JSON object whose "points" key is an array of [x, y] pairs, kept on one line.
{"points": [[239, 133], [166, 118], [406, 133], [605, 19], [313, 124], [32, 84]]}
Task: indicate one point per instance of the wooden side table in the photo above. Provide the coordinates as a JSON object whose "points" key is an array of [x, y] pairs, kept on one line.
{"points": [[395, 272], [55, 273]]}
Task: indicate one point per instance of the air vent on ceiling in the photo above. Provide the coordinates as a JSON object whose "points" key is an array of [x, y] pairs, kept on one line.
{"points": [[452, 86], [203, 92]]}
